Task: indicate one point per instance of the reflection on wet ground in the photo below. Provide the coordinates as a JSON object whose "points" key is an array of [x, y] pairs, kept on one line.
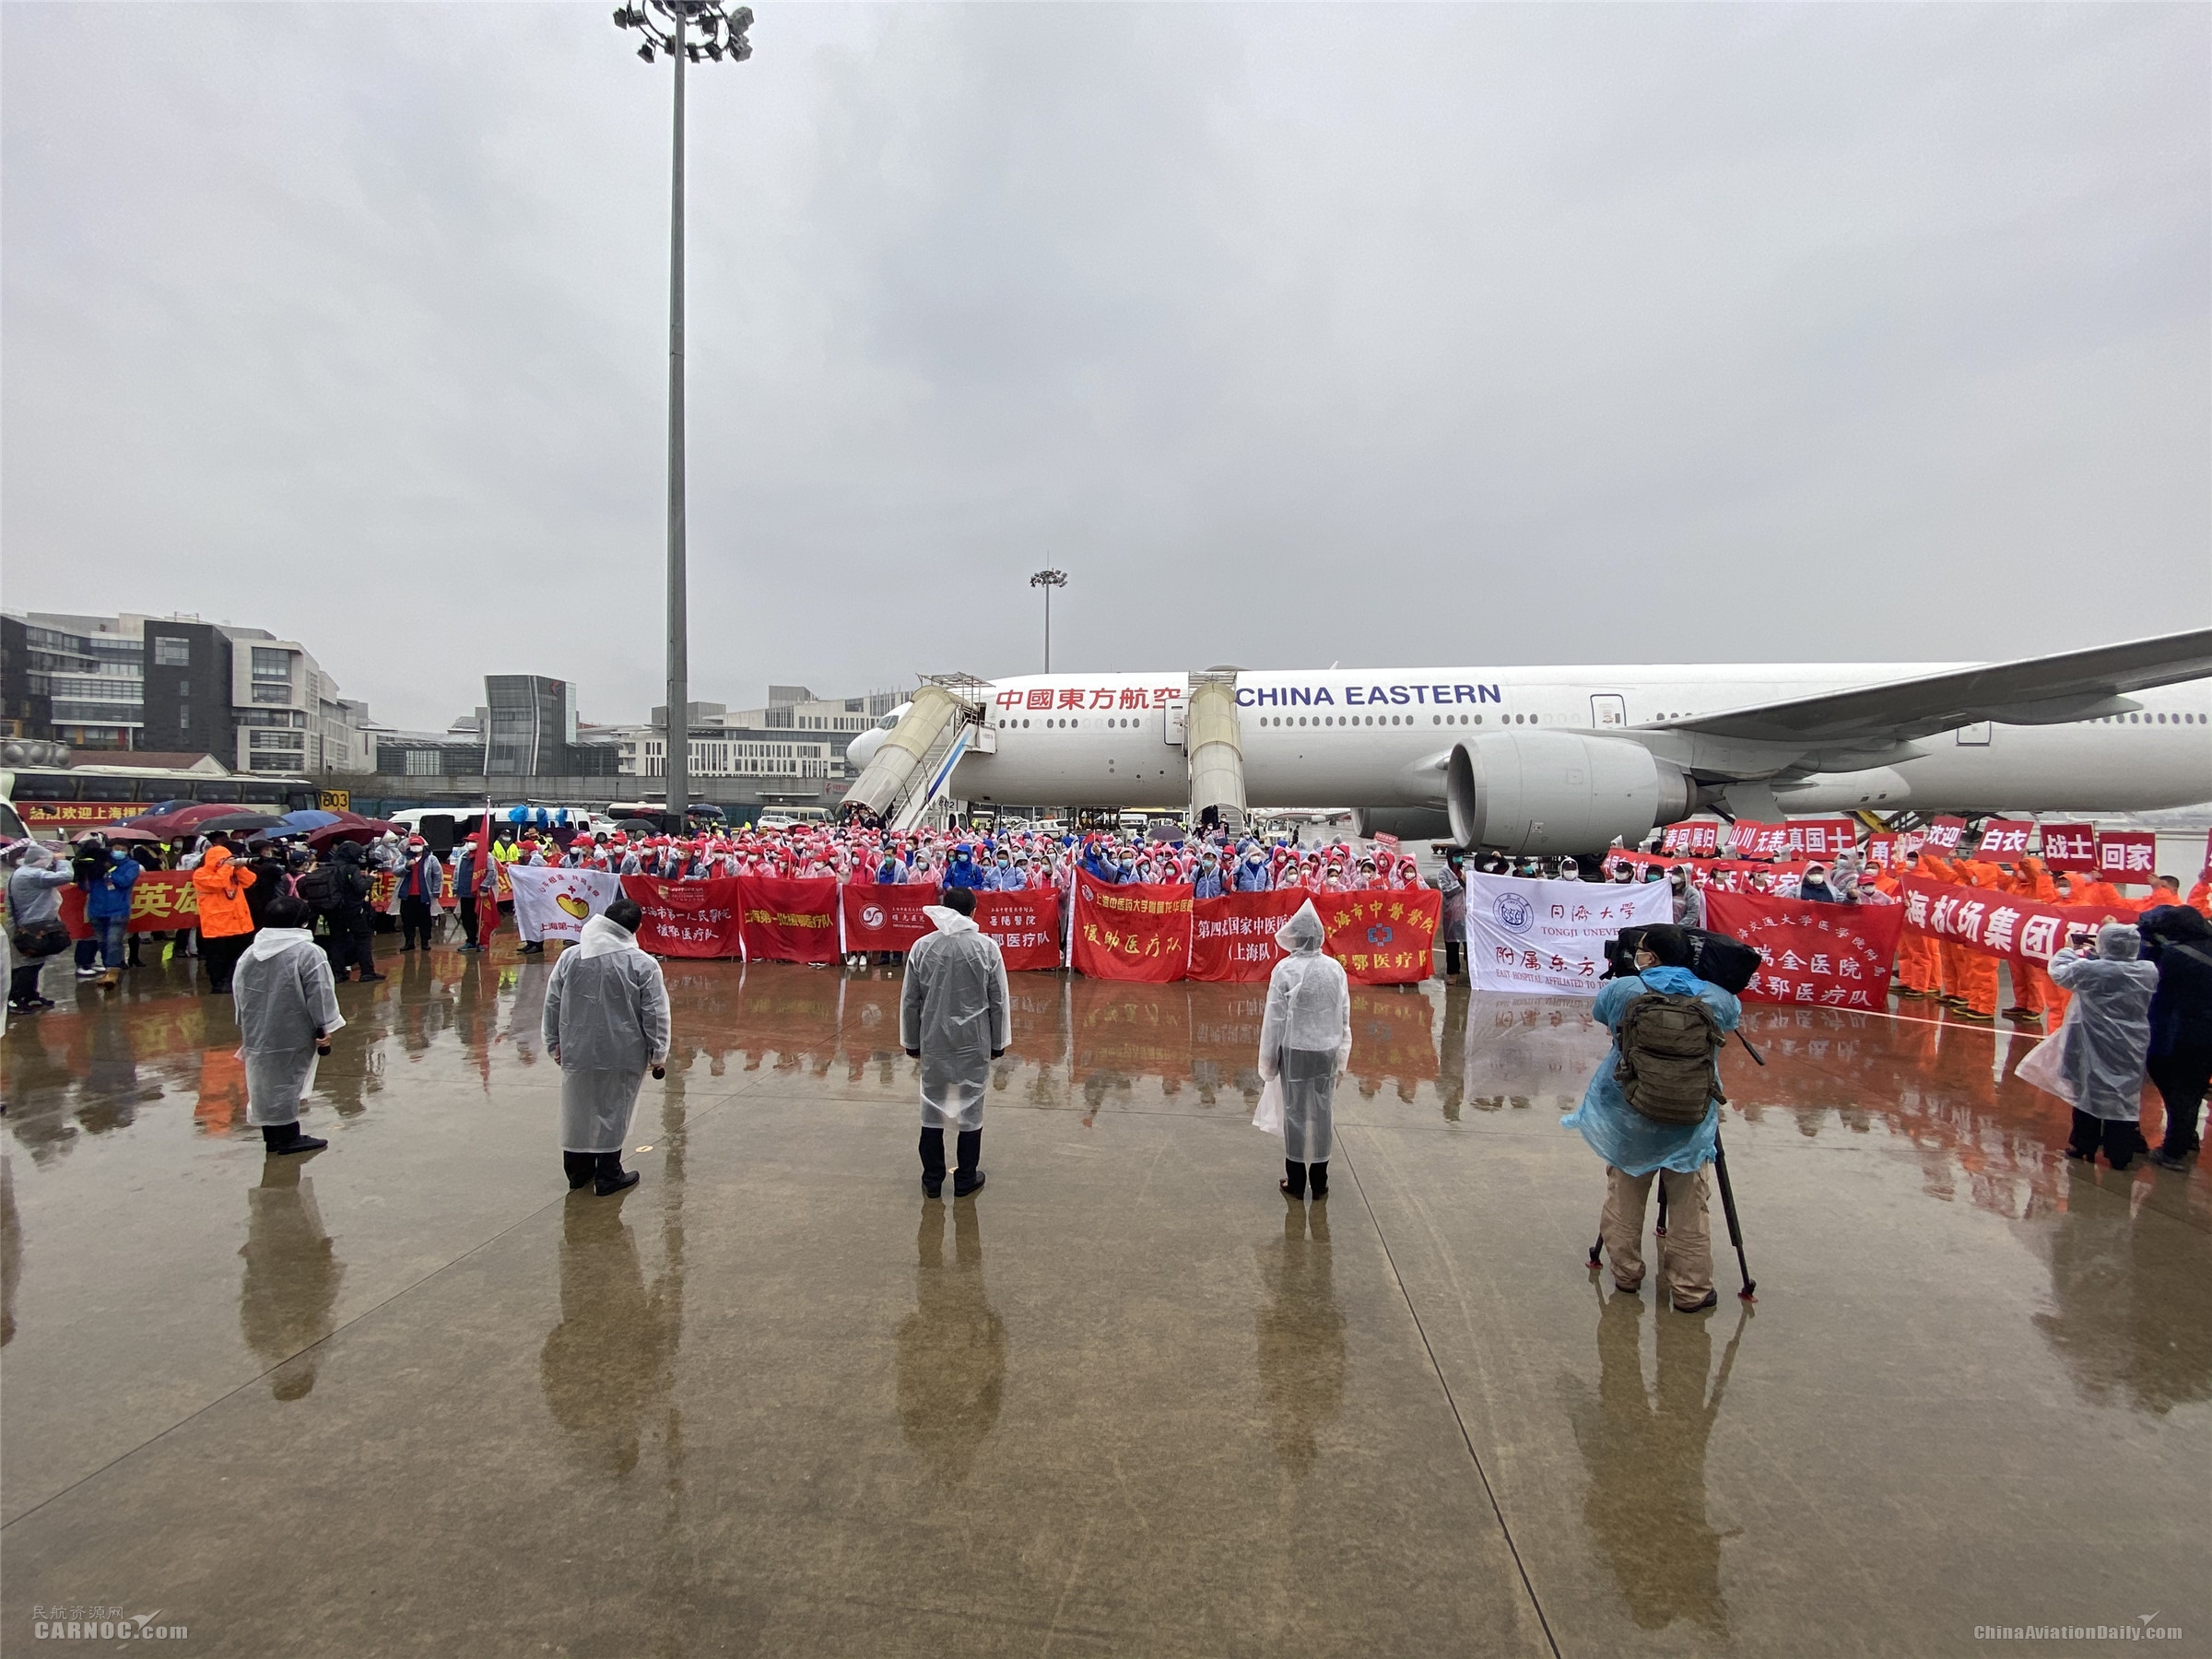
{"points": [[1174, 1414]]}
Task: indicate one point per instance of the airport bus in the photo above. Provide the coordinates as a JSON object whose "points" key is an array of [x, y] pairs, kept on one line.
{"points": [[55, 802]]}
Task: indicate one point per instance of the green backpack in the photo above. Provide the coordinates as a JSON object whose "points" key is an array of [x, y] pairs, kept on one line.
{"points": [[1670, 1068]]}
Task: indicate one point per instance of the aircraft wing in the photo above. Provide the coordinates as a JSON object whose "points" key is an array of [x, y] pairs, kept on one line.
{"points": [[2048, 690]]}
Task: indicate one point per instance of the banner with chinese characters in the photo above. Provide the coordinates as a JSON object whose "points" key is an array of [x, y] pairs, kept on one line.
{"points": [[1547, 938], [1116, 700], [1695, 840], [1232, 939], [1027, 926], [880, 917], [1383, 937], [1942, 836], [1999, 923], [2004, 840], [551, 903], [787, 919], [1883, 850], [686, 918], [1802, 838], [2126, 856], [1134, 930], [162, 900], [76, 814], [1827, 956], [2070, 846]]}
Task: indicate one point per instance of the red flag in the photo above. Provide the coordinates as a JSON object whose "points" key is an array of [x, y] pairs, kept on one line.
{"points": [[487, 887]]}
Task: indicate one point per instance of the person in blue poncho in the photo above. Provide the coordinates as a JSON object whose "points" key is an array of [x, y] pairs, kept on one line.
{"points": [[963, 871], [1637, 1147]]}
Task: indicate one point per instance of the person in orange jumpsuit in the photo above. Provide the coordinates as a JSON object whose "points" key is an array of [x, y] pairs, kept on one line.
{"points": [[2200, 896], [1951, 956], [1917, 971], [1976, 985], [2033, 994]]}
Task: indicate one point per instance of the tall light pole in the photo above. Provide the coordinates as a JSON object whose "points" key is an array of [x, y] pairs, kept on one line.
{"points": [[1048, 580], [665, 24]]}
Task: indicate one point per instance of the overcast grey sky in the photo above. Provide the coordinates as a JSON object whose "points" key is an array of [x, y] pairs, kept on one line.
{"points": [[1436, 334]]}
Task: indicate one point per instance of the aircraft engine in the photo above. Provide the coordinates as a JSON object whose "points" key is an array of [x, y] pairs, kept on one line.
{"points": [[1560, 792], [1408, 823]]}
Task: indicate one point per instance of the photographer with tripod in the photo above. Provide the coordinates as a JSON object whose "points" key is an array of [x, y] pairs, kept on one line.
{"points": [[1653, 1109]]}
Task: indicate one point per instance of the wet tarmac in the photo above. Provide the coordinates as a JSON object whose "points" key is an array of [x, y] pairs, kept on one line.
{"points": [[406, 1396]]}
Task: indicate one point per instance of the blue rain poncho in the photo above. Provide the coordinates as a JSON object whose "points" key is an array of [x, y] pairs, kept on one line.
{"points": [[282, 994], [1616, 1131], [605, 1020], [2108, 1022], [955, 1009], [1306, 1036]]}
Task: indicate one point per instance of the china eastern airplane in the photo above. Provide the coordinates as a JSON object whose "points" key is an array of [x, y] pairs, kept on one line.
{"points": [[1563, 760]]}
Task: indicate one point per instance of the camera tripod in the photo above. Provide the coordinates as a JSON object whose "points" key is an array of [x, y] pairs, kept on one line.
{"points": [[1735, 1230]]}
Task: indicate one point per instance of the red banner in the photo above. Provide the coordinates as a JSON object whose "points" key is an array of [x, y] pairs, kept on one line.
{"points": [[686, 918], [160, 900], [880, 917], [786, 919], [1997, 924], [1691, 841], [1943, 834], [1134, 930], [2004, 840], [2128, 855], [1805, 838], [1828, 955], [1027, 926], [1382, 937], [2070, 846], [1232, 938], [1882, 851]]}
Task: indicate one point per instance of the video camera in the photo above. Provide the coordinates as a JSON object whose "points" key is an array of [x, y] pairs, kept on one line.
{"points": [[1716, 958]]}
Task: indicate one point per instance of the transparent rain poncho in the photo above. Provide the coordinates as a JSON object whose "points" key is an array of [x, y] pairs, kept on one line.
{"points": [[954, 1008], [1306, 1036], [2108, 1023], [606, 1019], [282, 994]]}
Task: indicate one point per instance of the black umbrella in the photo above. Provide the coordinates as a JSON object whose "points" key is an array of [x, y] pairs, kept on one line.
{"points": [[234, 823]]}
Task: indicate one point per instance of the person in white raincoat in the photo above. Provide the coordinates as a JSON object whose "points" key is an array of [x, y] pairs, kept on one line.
{"points": [[953, 1017], [2107, 1034], [287, 1008], [1305, 1044], [606, 1022]]}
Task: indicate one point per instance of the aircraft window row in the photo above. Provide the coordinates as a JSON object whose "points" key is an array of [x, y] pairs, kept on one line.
{"points": [[1353, 719], [2150, 719]]}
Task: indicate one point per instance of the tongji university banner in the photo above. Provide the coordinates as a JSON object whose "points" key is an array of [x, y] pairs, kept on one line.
{"points": [[1385, 936], [1547, 937], [2000, 923], [787, 919], [686, 918], [1828, 955], [1134, 930], [160, 900], [889, 918], [1026, 923], [551, 903], [1233, 939]]}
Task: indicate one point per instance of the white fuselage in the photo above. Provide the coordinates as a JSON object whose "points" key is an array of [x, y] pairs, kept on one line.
{"points": [[1362, 738]]}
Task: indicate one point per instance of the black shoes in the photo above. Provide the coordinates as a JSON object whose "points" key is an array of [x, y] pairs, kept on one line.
{"points": [[579, 1167], [960, 1190], [609, 1177], [933, 1189], [1711, 1300], [282, 1140], [365, 977]]}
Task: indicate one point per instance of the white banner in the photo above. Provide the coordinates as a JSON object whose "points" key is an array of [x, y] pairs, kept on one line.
{"points": [[1547, 938], [551, 903]]}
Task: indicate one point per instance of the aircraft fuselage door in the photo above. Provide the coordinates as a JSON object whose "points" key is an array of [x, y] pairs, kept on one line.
{"points": [[1609, 710], [1173, 727], [1974, 736]]}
